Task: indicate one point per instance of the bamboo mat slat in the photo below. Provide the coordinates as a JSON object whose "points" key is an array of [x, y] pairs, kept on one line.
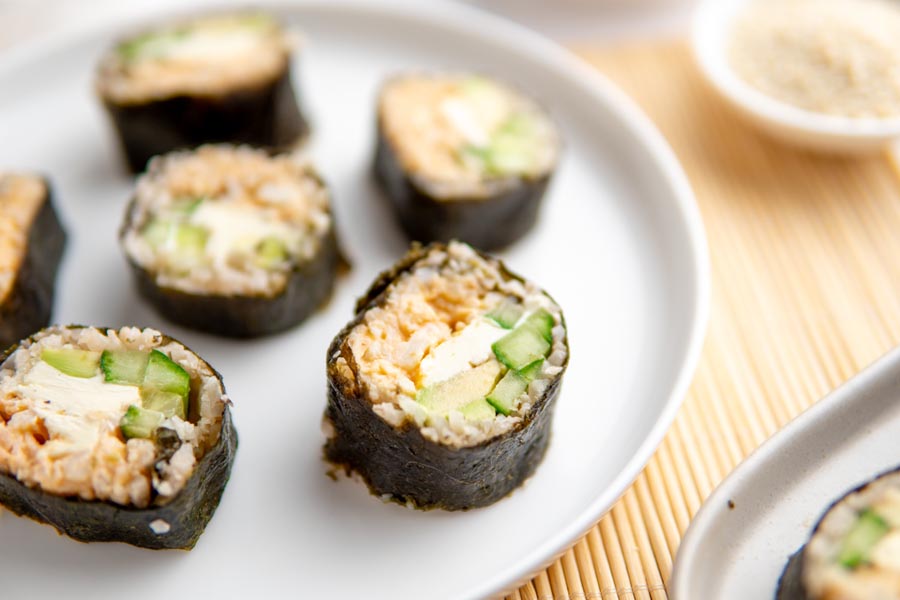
{"points": [[806, 292]]}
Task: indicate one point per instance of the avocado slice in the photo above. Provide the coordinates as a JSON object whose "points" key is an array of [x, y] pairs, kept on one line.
{"points": [[460, 390]]}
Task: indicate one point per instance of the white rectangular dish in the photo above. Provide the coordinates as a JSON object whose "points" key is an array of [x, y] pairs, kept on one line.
{"points": [[739, 542]]}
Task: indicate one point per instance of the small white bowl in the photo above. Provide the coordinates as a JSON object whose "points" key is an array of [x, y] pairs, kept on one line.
{"points": [[713, 21]]}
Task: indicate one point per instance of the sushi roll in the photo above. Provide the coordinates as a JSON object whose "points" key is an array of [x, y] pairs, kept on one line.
{"points": [[31, 246], [854, 550], [463, 157], [441, 390], [218, 78], [113, 435], [232, 241]]}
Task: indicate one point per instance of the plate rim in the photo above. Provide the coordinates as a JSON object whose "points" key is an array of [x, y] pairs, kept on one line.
{"points": [[771, 451], [459, 19]]}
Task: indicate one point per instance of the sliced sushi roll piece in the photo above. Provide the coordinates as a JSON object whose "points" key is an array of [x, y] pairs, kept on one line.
{"points": [[441, 390], [31, 246], [114, 435], [463, 157], [232, 241], [854, 550], [217, 78]]}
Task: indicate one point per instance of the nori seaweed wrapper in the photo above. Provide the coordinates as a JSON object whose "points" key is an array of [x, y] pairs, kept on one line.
{"points": [[399, 463], [264, 115], [309, 286], [29, 303], [187, 514], [790, 584], [488, 223]]}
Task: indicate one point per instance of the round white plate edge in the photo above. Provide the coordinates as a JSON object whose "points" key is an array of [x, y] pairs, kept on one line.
{"points": [[714, 506], [540, 50]]}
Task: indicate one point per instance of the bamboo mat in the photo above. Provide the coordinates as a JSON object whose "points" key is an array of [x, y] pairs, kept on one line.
{"points": [[805, 255]]}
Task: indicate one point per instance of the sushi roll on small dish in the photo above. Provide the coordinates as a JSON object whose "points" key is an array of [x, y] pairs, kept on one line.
{"points": [[232, 241], [113, 435], [31, 246], [463, 157], [441, 390], [216, 78], [854, 550]]}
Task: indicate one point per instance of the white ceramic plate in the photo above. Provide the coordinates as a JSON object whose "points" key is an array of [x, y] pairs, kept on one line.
{"points": [[740, 540], [619, 244]]}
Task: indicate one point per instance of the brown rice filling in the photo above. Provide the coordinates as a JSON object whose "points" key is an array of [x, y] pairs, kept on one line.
{"points": [[21, 199]]}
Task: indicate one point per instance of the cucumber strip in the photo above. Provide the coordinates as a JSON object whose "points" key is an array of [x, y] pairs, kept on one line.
{"points": [[125, 367], [271, 252], [191, 239], [506, 314], [186, 205], [167, 403], [478, 410], [157, 232], [165, 375], [863, 536], [865, 533], [542, 322], [503, 397], [530, 372], [138, 422], [521, 347], [518, 125], [155, 44], [71, 361]]}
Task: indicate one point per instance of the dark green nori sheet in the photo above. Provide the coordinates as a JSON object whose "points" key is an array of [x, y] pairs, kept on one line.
{"points": [[400, 462], [28, 306], [94, 521], [790, 584], [265, 116], [308, 287], [486, 223]]}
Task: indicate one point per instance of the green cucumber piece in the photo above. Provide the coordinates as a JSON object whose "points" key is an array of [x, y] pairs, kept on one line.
{"points": [[186, 205], [271, 252], [530, 372], [151, 45], [478, 410], [503, 396], [191, 239], [862, 537], [125, 367], [157, 232], [518, 125], [542, 322], [167, 403], [527, 343], [139, 422], [509, 158], [71, 361], [506, 314], [166, 375], [460, 390]]}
